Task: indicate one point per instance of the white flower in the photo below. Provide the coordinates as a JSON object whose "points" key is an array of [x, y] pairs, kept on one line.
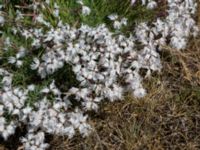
{"points": [[152, 5], [2, 122], [85, 129], [16, 112], [113, 17], [26, 34], [2, 20], [178, 42], [56, 6], [86, 10], [77, 68], [45, 90], [27, 110], [143, 2], [90, 105], [19, 63], [21, 53], [31, 87], [1, 110], [7, 42], [12, 60], [83, 92], [117, 24], [35, 64], [73, 90], [139, 93], [19, 15], [47, 1], [133, 2], [40, 19], [52, 88], [14, 30], [69, 131], [5, 134], [124, 21], [80, 2], [56, 13], [34, 141], [8, 130]]}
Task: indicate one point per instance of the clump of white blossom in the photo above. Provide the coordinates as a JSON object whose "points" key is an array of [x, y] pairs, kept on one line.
{"points": [[85, 9], [117, 23], [151, 4], [106, 66], [35, 141], [16, 59]]}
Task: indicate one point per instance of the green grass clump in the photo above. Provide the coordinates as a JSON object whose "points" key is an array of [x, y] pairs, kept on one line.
{"points": [[70, 12]]}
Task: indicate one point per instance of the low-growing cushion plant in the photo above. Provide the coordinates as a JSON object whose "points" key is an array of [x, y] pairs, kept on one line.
{"points": [[60, 59]]}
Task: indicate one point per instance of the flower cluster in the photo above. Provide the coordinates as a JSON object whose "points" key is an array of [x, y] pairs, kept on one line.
{"points": [[151, 4], [85, 9], [117, 24], [34, 141], [16, 59], [44, 116], [106, 65]]}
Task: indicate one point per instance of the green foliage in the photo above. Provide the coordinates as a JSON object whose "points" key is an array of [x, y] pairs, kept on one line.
{"points": [[70, 12]]}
